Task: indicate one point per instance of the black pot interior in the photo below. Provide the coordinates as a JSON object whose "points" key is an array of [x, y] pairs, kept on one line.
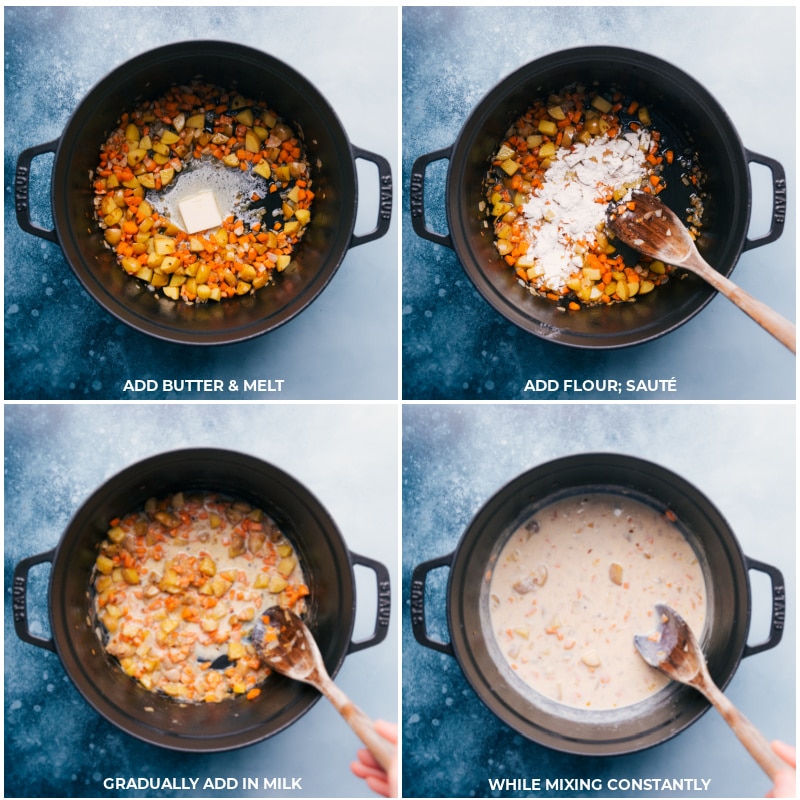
{"points": [[157, 718], [256, 75], [622, 730], [686, 115]]}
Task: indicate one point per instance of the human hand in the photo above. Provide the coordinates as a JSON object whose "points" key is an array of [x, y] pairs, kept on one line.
{"points": [[368, 768], [784, 785]]}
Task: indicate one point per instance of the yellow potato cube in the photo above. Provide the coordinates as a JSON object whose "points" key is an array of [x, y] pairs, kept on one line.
{"points": [[286, 566]]}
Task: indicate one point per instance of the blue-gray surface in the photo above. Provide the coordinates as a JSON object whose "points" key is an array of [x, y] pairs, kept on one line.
{"points": [[455, 346], [455, 457], [57, 455], [61, 345]]}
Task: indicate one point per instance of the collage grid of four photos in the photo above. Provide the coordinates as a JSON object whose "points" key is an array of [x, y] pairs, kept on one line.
{"points": [[350, 318]]}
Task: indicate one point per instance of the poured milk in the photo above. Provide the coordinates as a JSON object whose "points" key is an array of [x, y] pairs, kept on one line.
{"points": [[576, 582]]}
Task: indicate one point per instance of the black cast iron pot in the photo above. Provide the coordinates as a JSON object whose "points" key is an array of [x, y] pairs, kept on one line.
{"points": [[595, 733], [256, 75], [158, 719], [686, 115]]}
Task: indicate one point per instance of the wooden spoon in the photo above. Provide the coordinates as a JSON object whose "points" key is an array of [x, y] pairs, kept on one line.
{"points": [[653, 229], [673, 650], [284, 643]]}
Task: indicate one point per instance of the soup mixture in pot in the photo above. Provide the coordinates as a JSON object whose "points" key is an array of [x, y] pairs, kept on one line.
{"points": [[177, 587], [574, 584]]}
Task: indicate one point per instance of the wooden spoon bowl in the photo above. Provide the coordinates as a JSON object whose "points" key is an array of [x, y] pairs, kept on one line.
{"points": [[673, 650], [649, 226]]}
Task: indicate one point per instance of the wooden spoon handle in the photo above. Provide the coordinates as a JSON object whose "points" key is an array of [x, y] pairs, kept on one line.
{"points": [[769, 319], [384, 751], [747, 733]]}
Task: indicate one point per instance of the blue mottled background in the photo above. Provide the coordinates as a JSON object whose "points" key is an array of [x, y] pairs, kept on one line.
{"points": [[456, 456], [56, 745], [59, 344], [455, 346]]}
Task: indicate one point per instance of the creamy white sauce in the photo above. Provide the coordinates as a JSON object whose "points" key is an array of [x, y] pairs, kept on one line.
{"points": [[574, 584]]}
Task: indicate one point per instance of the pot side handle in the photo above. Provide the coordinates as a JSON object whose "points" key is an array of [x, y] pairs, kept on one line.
{"points": [[418, 626], [19, 595], [22, 190], [778, 607], [385, 202], [417, 197], [778, 200], [384, 603]]}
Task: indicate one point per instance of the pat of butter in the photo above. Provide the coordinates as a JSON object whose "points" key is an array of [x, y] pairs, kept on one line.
{"points": [[200, 212]]}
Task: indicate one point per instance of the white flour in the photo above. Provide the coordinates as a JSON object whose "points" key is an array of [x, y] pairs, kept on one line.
{"points": [[567, 210]]}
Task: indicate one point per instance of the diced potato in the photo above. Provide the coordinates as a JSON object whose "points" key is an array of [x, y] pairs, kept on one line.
{"points": [[169, 137], [509, 166], [104, 564], [591, 659], [169, 624], [116, 534], [592, 273], [251, 142], [504, 152], [646, 286], [245, 116], [287, 565], [113, 217], [547, 127], [130, 575], [165, 245], [261, 581], [207, 566], [556, 112], [135, 156], [601, 104], [262, 169], [113, 236], [195, 121], [547, 150], [277, 584], [130, 265], [132, 133], [236, 651], [169, 264]]}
